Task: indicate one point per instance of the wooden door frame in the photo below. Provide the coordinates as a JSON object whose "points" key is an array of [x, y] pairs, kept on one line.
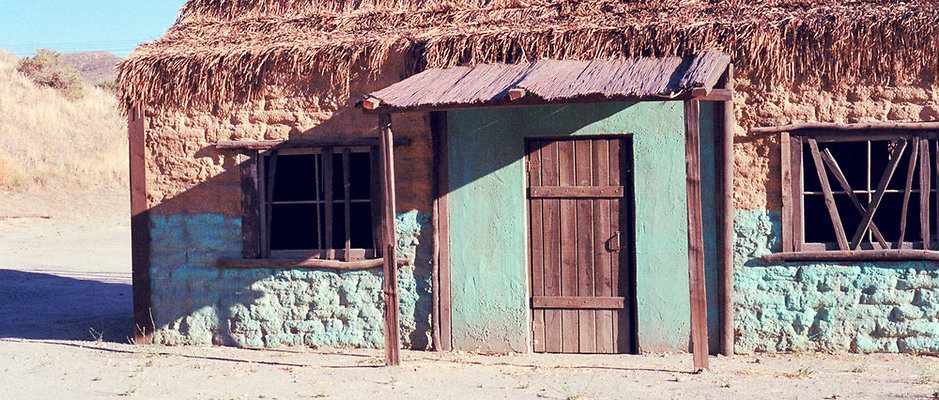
{"points": [[442, 332], [626, 218]]}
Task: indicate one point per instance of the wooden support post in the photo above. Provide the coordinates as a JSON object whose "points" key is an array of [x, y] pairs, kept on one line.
{"points": [[139, 227], [443, 231], [726, 229], [699, 339], [250, 206], [390, 272]]}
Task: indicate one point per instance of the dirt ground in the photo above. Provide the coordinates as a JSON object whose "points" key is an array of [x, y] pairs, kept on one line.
{"points": [[65, 305]]}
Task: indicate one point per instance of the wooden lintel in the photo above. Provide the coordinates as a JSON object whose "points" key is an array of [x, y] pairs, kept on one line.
{"points": [[247, 263], [517, 93], [846, 127], [854, 255], [305, 142]]}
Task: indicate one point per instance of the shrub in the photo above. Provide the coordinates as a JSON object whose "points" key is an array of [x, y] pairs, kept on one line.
{"points": [[46, 69]]}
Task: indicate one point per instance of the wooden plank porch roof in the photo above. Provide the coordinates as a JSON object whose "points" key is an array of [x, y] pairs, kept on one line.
{"points": [[552, 81]]}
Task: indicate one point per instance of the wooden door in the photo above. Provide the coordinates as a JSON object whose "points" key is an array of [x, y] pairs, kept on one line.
{"points": [[580, 242]]}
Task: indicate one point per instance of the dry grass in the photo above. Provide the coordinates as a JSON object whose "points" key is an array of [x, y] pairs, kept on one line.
{"points": [[48, 142]]}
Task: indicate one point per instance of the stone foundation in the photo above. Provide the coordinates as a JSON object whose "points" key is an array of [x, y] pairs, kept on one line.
{"points": [[195, 302], [832, 307]]}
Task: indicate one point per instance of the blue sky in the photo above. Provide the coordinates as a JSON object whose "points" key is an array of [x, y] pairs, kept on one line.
{"points": [[83, 25]]}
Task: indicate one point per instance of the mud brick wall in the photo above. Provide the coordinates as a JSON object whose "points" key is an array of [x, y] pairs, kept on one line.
{"points": [[194, 195], [854, 306]]}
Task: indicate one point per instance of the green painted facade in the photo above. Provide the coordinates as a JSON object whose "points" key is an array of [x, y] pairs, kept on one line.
{"points": [[489, 226]]}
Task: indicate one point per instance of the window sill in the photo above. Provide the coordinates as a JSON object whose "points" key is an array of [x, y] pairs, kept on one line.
{"points": [[856, 255], [249, 263]]}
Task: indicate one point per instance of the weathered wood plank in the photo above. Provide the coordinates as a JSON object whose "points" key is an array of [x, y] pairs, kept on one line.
{"points": [[537, 245], [603, 286], [620, 260], [829, 198], [855, 255], [326, 180], [699, 337], [568, 248], [726, 149], [583, 162], [578, 302], [579, 191], [552, 236], [269, 182], [389, 273], [879, 194]]}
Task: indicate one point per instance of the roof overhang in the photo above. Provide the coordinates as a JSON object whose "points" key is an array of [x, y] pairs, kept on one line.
{"points": [[555, 82]]}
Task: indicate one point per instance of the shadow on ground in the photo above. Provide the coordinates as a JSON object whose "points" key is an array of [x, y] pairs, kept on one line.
{"points": [[38, 305]]}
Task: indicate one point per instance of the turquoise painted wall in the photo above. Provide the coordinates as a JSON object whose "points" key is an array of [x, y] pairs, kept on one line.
{"points": [[824, 306], [488, 218], [195, 302]]}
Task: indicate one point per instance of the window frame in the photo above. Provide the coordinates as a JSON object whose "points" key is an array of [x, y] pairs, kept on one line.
{"points": [[794, 155], [256, 209]]}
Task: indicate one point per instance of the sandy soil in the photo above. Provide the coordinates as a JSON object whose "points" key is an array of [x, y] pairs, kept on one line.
{"points": [[65, 316]]}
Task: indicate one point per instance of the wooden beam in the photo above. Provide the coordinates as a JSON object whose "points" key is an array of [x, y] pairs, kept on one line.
{"points": [[390, 276], [879, 194], [843, 181], [699, 339], [371, 103], [713, 95], [347, 201], [854, 255], [829, 199], [574, 302], [358, 265], [517, 93], [326, 179], [847, 127], [268, 210], [576, 191], [907, 189], [310, 141], [140, 227], [726, 228]]}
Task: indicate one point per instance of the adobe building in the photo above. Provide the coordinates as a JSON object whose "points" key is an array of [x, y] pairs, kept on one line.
{"points": [[568, 176]]}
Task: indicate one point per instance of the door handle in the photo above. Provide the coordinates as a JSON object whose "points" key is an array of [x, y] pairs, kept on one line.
{"points": [[612, 244]]}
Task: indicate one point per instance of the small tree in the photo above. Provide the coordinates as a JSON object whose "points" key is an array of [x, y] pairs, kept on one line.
{"points": [[46, 69]]}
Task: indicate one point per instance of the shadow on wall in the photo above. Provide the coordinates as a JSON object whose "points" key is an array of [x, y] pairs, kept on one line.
{"points": [[196, 302], [37, 305]]}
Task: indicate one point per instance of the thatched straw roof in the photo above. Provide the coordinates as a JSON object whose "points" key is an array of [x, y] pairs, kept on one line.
{"points": [[230, 50]]}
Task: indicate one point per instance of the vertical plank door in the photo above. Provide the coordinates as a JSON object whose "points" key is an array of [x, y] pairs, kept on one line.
{"points": [[580, 264]]}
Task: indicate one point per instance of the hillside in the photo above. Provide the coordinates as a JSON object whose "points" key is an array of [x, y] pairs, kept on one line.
{"points": [[94, 66], [50, 143]]}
